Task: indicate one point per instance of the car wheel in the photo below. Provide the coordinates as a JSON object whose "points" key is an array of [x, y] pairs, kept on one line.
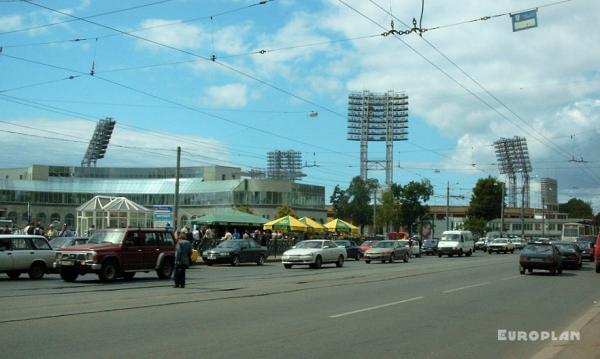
{"points": [[209, 263], [367, 261], [357, 258], [460, 253], [391, 260], [166, 269], [439, 255], [490, 252], [512, 251], [559, 270], [450, 255], [261, 260], [68, 275], [340, 262], [405, 259], [287, 266], [318, 262], [109, 271], [37, 270], [553, 271], [13, 275], [522, 270], [235, 261], [419, 255], [530, 270], [468, 254], [128, 275]]}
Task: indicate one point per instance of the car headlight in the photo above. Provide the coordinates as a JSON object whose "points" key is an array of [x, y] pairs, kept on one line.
{"points": [[91, 256]]}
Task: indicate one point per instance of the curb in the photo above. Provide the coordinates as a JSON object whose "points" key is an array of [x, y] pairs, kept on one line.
{"points": [[553, 349]]}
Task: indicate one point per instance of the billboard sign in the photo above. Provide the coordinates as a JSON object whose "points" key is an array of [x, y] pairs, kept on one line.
{"points": [[163, 216]]}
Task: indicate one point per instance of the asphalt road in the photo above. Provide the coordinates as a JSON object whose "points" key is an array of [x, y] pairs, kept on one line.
{"points": [[427, 308]]}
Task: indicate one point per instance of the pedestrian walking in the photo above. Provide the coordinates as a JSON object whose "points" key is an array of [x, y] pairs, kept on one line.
{"points": [[52, 232], [183, 259]]}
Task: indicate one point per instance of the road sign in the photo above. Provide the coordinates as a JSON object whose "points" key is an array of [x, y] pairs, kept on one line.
{"points": [[163, 216], [524, 20]]}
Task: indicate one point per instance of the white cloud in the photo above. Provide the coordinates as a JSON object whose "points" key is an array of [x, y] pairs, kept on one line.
{"points": [[233, 95], [179, 35], [10, 22], [128, 147]]}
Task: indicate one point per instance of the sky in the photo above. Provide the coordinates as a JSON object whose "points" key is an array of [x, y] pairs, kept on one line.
{"points": [[231, 80]]}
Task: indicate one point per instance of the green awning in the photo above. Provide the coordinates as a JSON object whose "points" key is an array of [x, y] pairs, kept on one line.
{"points": [[229, 216]]}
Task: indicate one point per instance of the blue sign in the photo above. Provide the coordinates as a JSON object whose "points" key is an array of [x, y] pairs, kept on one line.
{"points": [[524, 20], [163, 216]]}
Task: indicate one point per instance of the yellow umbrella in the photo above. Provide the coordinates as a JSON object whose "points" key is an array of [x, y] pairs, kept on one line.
{"points": [[286, 223], [338, 225], [312, 224]]}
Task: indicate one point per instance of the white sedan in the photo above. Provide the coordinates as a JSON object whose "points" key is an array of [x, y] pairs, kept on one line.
{"points": [[314, 253]]}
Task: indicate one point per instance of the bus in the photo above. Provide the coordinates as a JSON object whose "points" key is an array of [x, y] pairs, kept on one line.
{"points": [[573, 231]]}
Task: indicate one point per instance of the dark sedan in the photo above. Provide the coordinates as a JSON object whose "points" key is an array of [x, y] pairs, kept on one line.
{"points": [[352, 248], [62, 242], [570, 253], [236, 251], [542, 255], [429, 247], [587, 250]]}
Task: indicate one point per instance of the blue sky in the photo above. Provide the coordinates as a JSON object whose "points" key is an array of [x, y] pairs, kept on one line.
{"points": [[237, 108]]}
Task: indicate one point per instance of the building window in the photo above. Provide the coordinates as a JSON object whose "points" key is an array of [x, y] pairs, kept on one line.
{"points": [[70, 220], [54, 217]]}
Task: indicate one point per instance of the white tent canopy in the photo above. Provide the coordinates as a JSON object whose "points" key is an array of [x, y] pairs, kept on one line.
{"points": [[111, 212]]}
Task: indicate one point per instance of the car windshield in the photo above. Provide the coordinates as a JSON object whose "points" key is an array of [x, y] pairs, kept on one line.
{"points": [[60, 242], [383, 244], [584, 244], [450, 237], [309, 244], [565, 246], [429, 242], [368, 243], [229, 244], [538, 248], [115, 237], [499, 241]]}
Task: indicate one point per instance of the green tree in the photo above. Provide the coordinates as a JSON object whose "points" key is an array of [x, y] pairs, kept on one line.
{"points": [[577, 208], [339, 201], [284, 210], [410, 197], [388, 211], [359, 197], [486, 199], [475, 224]]}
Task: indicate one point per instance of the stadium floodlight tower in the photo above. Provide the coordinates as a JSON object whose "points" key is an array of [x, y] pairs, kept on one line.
{"points": [[284, 165], [377, 117], [99, 142], [513, 157]]}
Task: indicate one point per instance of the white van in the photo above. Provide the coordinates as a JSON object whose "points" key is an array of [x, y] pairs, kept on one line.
{"points": [[455, 242]]}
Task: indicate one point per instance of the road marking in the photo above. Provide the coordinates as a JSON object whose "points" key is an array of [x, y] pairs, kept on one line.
{"points": [[465, 287], [375, 307], [513, 277]]}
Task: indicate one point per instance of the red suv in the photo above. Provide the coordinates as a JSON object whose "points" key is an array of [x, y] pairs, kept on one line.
{"points": [[113, 253]]}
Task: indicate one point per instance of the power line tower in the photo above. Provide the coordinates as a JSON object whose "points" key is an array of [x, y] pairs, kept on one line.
{"points": [[377, 117], [286, 165], [99, 142]]}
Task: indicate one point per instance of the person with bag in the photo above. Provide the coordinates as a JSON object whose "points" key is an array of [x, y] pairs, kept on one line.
{"points": [[183, 259]]}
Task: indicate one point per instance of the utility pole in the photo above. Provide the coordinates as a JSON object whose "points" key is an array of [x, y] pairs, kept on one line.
{"points": [[448, 206], [176, 214], [502, 212], [374, 210], [523, 213]]}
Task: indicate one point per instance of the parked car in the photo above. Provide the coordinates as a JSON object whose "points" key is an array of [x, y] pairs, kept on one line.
{"points": [[570, 254], [503, 245], [540, 255], [388, 250], [236, 251], [455, 242], [587, 250], [314, 253], [480, 245], [518, 243], [121, 252], [25, 254], [367, 244], [429, 247], [61, 242], [352, 249], [415, 250]]}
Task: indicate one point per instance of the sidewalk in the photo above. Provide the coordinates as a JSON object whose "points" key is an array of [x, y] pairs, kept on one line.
{"points": [[588, 347]]}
